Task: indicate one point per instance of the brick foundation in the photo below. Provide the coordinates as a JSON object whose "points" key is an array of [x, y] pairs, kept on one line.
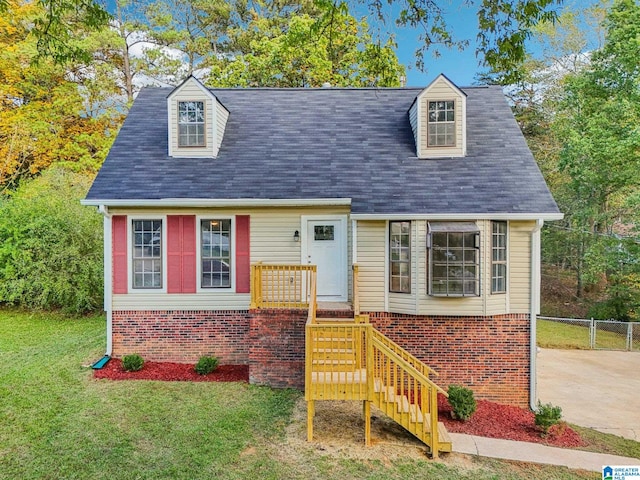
{"points": [[487, 354], [182, 336], [490, 355]]}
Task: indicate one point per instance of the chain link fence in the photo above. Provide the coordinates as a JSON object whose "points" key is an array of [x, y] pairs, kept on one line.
{"points": [[588, 333]]}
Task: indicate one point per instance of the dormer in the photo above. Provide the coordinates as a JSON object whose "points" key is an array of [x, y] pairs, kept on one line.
{"points": [[196, 120], [438, 118]]}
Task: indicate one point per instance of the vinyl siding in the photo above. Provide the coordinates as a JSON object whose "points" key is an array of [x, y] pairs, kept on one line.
{"points": [[190, 91], [271, 233], [520, 266], [222, 115], [371, 262], [440, 90]]}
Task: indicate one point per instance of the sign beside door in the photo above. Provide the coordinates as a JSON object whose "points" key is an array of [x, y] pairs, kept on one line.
{"points": [[324, 243]]}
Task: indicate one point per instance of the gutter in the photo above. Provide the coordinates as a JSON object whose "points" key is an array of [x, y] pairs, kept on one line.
{"points": [[108, 277], [534, 309], [218, 203]]}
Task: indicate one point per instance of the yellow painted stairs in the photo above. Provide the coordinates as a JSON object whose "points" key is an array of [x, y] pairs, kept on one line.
{"points": [[348, 359]]}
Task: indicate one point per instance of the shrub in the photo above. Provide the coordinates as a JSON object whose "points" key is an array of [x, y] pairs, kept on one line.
{"points": [[206, 365], [132, 363], [51, 246], [547, 415], [462, 402]]}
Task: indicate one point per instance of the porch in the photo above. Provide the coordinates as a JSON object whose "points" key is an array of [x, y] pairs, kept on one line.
{"points": [[346, 358]]}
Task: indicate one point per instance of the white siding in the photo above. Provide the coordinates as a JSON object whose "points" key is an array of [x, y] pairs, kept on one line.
{"points": [[371, 262]]}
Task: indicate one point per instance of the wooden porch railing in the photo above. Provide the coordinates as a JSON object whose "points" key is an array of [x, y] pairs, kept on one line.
{"points": [[281, 286], [354, 361], [407, 396]]}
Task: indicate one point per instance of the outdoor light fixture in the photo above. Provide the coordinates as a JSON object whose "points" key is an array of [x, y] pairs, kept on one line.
{"points": [[296, 236]]}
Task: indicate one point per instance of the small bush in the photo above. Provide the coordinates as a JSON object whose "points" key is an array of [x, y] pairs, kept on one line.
{"points": [[206, 365], [547, 415], [132, 363], [462, 402]]}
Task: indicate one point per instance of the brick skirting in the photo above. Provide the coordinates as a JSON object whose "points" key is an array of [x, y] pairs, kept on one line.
{"points": [[488, 354], [182, 336]]}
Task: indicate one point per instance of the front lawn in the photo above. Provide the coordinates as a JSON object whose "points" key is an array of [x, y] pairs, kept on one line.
{"points": [[57, 422]]}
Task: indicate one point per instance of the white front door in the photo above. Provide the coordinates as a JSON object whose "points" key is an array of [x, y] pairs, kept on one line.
{"points": [[325, 245]]}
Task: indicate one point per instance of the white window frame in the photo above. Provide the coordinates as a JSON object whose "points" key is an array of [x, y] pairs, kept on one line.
{"points": [[163, 253], [504, 262], [203, 123], [232, 271], [451, 229], [452, 123], [409, 262]]}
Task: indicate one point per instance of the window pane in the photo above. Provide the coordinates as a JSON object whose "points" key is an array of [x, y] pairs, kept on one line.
{"points": [[499, 257], [215, 253], [147, 253], [191, 124], [454, 263], [400, 257]]}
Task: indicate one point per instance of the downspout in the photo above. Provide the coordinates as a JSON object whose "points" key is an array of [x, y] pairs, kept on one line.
{"points": [[534, 306], [108, 274]]}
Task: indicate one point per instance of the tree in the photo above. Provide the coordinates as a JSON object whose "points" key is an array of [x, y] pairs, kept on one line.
{"points": [[504, 26], [600, 153], [308, 52], [50, 245], [43, 119]]}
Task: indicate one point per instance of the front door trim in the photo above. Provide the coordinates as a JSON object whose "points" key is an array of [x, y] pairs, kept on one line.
{"points": [[304, 250]]}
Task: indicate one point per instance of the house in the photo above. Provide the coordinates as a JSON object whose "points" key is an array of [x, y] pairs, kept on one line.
{"points": [[432, 193]]}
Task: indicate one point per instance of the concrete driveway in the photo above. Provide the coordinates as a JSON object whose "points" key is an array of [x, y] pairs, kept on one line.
{"points": [[596, 389]]}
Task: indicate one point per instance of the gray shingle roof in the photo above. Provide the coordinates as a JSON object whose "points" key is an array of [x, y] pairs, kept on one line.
{"points": [[330, 143]]}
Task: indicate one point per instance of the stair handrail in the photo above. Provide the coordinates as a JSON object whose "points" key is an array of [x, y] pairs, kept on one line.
{"points": [[406, 366], [313, 303], [414, 373], [416, 363]]}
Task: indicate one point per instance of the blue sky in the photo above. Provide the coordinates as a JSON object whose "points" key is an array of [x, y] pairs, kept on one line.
{"points": [[460, 67]]}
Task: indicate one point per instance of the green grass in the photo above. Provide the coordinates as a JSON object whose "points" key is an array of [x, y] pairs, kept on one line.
{"points": [[56, 422], [607, 443], [552, 334]]}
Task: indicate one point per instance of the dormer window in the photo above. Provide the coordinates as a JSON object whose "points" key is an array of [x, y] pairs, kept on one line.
{"points": [[191, 128], [438, 120], [442, 126]]}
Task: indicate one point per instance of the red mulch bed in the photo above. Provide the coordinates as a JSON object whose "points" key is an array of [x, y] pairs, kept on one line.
{"points": [[490, 419], [170, 371], [507, 422]]}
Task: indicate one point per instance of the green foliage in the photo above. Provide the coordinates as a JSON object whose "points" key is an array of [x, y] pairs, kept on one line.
{"points": [[45, 115], [51, 246], [307, 51], [206, 365], [132, 363], [462, 402], [547, 415]]}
